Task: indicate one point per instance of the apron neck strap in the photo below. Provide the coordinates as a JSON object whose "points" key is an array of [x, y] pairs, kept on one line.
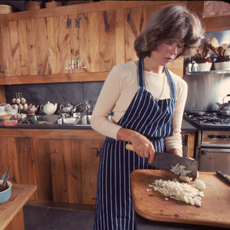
{"points": [[140, 73]]}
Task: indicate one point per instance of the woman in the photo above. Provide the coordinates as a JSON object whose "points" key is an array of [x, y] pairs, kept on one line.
{"points": [[148, 102]]}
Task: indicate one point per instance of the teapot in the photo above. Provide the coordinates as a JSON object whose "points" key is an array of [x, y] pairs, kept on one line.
{"points": [[66, 108], [224, 109], [49, 108]]}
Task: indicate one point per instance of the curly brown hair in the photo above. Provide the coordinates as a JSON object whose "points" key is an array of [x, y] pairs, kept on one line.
{"points": [[172, 22]]}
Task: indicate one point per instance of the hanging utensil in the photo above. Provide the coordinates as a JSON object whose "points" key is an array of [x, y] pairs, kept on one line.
{"points": [[214, 49], [214, 42], [2, 188]]}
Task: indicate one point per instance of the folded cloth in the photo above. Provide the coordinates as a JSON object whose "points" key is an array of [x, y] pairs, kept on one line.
{"points": [[10, 123]]}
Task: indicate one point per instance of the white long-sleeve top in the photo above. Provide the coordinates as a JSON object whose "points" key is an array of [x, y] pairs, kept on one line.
{"points": [[118, 91]]}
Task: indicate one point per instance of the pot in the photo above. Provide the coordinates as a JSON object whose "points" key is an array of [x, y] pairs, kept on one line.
{"points": [[224, 109], [49, 108], [6, 194]]}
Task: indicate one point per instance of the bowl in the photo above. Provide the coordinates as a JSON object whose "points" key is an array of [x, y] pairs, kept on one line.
{"points": [[6, 194], [222, 63], [204, 66], [6, 117]]}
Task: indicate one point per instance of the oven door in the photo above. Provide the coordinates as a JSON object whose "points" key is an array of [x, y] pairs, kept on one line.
{"points": [[214, 159]]}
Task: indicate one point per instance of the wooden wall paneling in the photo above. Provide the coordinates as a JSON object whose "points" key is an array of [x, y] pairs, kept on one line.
{"points": [[177, 66], [65, 171], [23, 45], [90, 165], [2, 94], [52, 29], [41, 44], [219, 23], [8, 157], [26, 164], [107, 42], [7, 58], [74, 42], [2, 74], [120, 36], [63, 45], [31, 44], [42, 161], [134, 22], [15, 48]]}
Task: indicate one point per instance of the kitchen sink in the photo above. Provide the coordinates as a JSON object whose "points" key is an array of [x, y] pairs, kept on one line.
{"points": [[75, 121], [40, 120], [56, 120]]}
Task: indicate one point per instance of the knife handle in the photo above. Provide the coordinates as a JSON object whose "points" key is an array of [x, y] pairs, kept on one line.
{"points": [[129, 147], [223, 177]]}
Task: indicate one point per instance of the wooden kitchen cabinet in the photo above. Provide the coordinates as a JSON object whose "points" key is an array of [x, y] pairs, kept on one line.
{"points": [[37, 47], [62, 163], [18, 153]]}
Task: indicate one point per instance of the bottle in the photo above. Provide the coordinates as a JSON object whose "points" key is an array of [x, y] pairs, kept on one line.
{"points": [[194, 66]]}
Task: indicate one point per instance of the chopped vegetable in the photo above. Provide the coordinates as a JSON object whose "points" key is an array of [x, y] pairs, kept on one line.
{"points": [[178, 191]]}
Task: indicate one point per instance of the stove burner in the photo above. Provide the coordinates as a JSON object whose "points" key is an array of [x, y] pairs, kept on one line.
{"points": [[210, 118]]}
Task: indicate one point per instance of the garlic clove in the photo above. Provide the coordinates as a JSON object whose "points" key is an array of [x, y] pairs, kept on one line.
{"points": [[20, 106], [23, 100], [25, 106], [14, 100], [15, 106], [18, 100]]}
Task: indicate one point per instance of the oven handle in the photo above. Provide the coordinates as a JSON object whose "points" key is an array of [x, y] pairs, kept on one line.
{"points": [[206, 151]]}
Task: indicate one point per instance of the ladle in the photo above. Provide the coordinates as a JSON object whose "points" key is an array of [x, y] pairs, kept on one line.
{"points": [[2, 188]]}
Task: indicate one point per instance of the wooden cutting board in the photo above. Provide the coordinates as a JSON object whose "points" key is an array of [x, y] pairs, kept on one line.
{"points": [[214, 211]]}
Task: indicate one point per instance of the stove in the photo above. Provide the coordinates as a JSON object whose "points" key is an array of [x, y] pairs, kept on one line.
{"points": [[208, 120], [212, 150]]}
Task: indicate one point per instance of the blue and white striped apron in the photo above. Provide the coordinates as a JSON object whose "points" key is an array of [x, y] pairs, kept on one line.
{"points": [[154, 119]]}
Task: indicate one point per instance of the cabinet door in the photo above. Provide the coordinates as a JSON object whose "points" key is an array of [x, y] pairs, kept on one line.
{"points": [[66, 171], [135, 20], [18, 153], [8, 157], [41, 148], [97, 41], [90, 150]]}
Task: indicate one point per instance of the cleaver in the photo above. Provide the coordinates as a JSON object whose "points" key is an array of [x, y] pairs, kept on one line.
{"points": [[173, 163]]}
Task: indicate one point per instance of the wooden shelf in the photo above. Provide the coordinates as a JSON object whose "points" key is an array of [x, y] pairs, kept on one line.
{"points": [[53, 78]]}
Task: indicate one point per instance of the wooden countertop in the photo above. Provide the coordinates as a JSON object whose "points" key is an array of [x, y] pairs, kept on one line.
{"points": [[152, 205], [20, 194]]}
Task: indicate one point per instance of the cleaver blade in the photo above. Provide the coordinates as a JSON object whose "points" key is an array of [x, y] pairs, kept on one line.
{"points": [[173, 163]]}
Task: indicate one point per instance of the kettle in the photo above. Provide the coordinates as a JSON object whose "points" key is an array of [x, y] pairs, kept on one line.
{"points": [[49, 108], [224, 109], [66, 108]]}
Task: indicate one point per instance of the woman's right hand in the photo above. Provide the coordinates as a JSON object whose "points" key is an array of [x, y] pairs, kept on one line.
{"points": [[142, 146]]}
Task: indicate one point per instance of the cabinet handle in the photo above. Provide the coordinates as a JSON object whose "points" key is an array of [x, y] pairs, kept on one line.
{"points": [[203, 152], [98, 150]]}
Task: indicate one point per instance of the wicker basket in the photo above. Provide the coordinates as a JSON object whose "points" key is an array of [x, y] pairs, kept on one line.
{"points": [[53, 4], [32, 5], [5, 9]]}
